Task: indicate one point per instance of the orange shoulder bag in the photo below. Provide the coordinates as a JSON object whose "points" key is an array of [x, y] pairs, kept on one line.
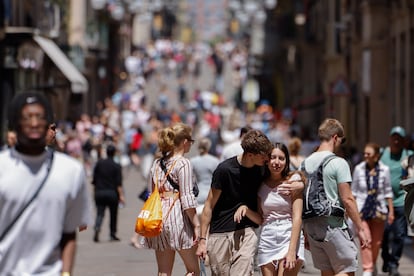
{"points": [[149, 221]]}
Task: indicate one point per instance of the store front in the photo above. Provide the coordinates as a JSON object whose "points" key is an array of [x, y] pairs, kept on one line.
{"points": [[33, 62]]}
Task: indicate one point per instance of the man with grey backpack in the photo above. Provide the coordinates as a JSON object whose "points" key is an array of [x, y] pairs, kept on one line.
{"points": [[327, 197]]}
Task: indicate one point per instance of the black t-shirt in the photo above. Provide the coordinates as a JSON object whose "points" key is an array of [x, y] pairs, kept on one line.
{"points": [[239, 186]]}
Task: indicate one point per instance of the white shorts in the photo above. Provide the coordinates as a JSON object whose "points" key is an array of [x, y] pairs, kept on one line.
{"points": [[274, 242]]}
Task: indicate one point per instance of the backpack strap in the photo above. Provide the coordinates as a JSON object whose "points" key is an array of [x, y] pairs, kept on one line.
{"points": [[327, 159], [324, 161]]}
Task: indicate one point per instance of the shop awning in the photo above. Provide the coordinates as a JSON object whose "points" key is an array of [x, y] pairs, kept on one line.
{"points": [[79, 84]]}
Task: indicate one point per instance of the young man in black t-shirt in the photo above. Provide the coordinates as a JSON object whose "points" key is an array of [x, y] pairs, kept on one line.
{"points": [[231, 245]]}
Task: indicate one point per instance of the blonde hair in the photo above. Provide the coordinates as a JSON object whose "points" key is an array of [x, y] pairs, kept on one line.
{"points": [[171, 137], [204, 145], [329, 128]]}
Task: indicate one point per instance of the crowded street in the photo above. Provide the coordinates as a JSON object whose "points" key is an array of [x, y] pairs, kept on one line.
{"points": [[122, 259], [271, 137]]}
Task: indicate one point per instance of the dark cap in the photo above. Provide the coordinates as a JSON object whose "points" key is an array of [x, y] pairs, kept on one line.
{"points": [[22, 99]]}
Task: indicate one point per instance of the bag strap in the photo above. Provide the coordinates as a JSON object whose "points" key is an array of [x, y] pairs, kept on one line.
{"points": [[171, 206], [167, 173], [9, 227], [323, 163], [170, 180]]}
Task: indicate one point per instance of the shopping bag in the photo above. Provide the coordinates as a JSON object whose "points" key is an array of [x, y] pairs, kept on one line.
{"points": [[149, 220]]}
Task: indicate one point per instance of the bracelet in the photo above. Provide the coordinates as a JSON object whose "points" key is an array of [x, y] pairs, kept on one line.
{"points": [[65, 273], [201, 238]]}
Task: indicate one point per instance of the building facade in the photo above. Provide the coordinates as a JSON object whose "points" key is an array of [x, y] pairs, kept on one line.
{"points": [[357, 65]]}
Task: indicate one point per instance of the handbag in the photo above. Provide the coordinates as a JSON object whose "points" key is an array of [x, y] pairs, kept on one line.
{"points": [[149, 221], [9, 227]]}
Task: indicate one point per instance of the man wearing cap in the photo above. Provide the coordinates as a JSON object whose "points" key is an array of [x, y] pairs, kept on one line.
{"points": [[394, 234], [43, 198]]}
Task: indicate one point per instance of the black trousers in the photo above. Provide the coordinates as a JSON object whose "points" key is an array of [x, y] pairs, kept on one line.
{"points": [[103, 199]]}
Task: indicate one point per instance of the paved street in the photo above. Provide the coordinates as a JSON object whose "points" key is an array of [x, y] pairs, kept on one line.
{"points": [[121, 259]]}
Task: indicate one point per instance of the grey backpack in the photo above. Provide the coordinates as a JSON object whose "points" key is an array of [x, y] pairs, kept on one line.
{"points": [[315, 201]]}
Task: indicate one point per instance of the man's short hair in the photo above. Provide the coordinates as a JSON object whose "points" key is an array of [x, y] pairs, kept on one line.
{"points": [[256, 142], [329, 128], [22, 99]]}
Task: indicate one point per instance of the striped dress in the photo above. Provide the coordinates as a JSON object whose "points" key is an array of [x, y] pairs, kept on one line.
{"points": [[177, 232]]}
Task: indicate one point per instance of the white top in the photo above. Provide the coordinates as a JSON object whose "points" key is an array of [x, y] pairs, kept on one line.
{"points": [[32, 245], [275, 206], [360, 188]]}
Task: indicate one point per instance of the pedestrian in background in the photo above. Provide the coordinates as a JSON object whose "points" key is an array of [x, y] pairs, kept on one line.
{"points": [[332, 246], [181, 226], [11, 140], [281, 249], [107, 181], [371, 187], [203, 167], [294, 146], [234, 148], [43, 196], [395, 232]]}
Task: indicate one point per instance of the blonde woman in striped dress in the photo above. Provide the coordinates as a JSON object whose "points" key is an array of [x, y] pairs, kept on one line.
{"points": [[181, 226]]}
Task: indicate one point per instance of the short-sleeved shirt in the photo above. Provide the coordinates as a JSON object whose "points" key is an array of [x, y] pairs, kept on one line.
{"points": [[360, 186], [203, 168], [63, 204], [335, 172], [393, 161], [239, 186]]}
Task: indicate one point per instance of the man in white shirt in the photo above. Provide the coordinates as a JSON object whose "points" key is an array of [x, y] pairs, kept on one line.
{"points": [[38, 237]]}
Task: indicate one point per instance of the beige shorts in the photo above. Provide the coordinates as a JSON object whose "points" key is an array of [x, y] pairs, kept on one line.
{"points": [[232, 253]]}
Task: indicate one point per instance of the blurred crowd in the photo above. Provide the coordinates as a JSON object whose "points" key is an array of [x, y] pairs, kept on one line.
{"points": [[128, 121]]}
